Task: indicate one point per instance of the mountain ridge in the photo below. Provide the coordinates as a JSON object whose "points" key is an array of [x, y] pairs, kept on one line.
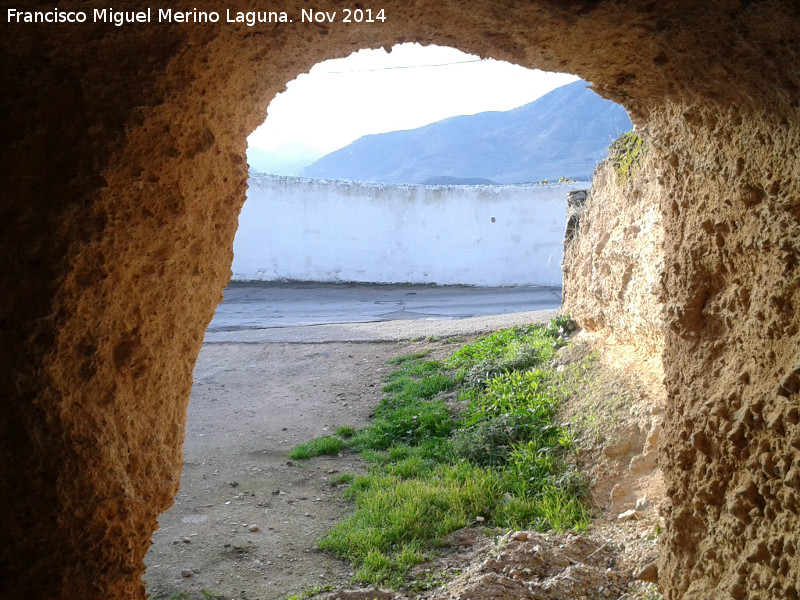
{"points": [[564, 133]]}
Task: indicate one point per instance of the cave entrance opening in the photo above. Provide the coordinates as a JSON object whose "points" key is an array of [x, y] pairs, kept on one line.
{"points": [[257, 394], [416, 166]]}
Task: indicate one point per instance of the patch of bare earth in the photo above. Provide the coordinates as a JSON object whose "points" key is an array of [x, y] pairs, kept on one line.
{"points": [[246, 519]]}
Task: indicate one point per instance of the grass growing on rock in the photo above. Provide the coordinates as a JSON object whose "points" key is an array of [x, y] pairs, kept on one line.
{"points": [[626, 152], [500, 461]]}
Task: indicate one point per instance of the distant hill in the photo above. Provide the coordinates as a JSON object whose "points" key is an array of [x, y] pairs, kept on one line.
{"points": [[562, 134], [287, 159]]}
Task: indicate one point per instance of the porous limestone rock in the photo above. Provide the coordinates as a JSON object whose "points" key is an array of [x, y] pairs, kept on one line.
{"points": [[614, 257], [123, 173]]}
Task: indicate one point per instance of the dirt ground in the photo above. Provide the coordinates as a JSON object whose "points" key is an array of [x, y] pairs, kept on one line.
{"points": [[244, 523], [246, 518]]}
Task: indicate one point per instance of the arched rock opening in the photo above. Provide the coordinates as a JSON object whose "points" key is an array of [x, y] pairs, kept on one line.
{"points": [[123, 174]]}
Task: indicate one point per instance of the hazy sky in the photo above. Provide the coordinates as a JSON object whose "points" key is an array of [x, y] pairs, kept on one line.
{"points": [[373, 91]]}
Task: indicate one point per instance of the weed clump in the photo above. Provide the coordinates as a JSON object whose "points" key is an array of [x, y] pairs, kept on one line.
{"points": [[502, 458], [626, 153], [322, 445], [345, 432]]}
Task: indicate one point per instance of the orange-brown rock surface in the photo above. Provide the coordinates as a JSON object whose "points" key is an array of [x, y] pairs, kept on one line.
{"points": [[123, 172], [614, 257]]}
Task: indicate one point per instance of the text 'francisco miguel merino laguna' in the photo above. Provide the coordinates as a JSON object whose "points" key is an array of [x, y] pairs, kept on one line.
{"points": [[168, 15]]}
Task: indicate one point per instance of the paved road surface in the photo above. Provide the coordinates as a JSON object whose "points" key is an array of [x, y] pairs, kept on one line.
{"points": [[309, 312]]}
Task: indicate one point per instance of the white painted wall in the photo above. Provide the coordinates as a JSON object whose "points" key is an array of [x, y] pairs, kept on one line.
{"points": [[311, 230]]}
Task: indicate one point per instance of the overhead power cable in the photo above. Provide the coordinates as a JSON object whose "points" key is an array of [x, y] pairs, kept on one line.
{"points": [[458, 62]]}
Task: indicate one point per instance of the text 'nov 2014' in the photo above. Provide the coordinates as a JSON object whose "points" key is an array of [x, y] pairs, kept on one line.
{"points": [[194, 16]]}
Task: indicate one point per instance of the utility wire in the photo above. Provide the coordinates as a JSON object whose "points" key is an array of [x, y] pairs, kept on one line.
{"points": [[459, 62]]}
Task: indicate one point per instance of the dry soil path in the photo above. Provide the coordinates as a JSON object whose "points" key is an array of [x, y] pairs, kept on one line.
{"points": [[246, 518]]}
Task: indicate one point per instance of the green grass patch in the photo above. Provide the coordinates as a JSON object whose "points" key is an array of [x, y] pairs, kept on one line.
{"points": [[412, 422], [394, 514], [345, 432], [342, 478], [413, 356], [311, 592], [316, 447], [431, 471]]}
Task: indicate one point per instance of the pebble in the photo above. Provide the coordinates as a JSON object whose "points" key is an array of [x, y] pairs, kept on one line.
{"points": [[186, 572], [253, 528], [648, 573], [628, 515], [186, 540]]}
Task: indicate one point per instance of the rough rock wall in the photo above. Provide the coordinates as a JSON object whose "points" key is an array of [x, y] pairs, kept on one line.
{"points": [[731, 455], [701, 260], [123, 173], [614, 258]]}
